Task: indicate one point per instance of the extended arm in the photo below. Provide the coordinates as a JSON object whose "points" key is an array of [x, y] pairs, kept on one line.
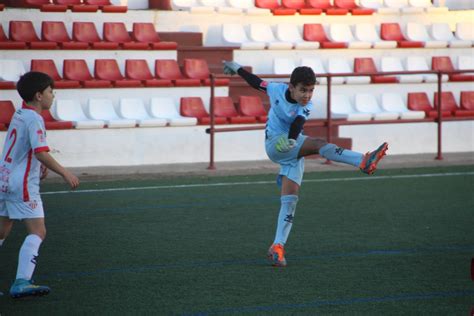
{"points": [[232, 68], [49, 162]]}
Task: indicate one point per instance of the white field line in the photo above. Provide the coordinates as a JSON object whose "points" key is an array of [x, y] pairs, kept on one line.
{"points": [[223, 184]]}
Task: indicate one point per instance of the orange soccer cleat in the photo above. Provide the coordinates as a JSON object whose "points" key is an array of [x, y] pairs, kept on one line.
{"points": [[276, 254], [371, 159]]}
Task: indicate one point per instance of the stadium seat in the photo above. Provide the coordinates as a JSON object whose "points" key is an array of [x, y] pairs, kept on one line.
{"points": [[56, 32], [283, 65], [301, 7], [146, 33], [76, 69], [392, 32], [465, 31], [234, 34], [87, 33], [103, 110], [343, 33], [396, 4], [77, 5], [209, 6], [367, 103], [448, 103], [367, 64], [366, 32], [337, 65], [194, 107], [371, 4], [465, 63], [442, 32], [44, 5], [388, 64], [341, 108], [417, 32], [316, 33], [164, 107], [418, 63], [6, 43], [23, 31], [275, 7], [352, 7], [49, 67], [108, 69], [10, 72], [393, 102], [224, 107], [116, 32], [252, 106], [443, 63], [248, 6], [186, 5], [7, 109], [418, 6], [196, 68], [467, 102], [137, 69], [418, 101], [286, 32], [2, 6], [107, 7], [260, 32], [327, 7], [71, 110], [51, 123], [134, 109], [169, 69], [317, 66]]}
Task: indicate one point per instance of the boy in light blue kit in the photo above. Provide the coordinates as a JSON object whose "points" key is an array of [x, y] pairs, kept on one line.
{"points": [[290, 105]]}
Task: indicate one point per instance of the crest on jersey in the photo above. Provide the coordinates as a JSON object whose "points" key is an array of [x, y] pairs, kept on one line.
{"points": [[41, 136]]}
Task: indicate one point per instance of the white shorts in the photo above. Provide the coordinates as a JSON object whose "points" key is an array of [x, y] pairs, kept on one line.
{"points": [[291, 166], [22, 210]]}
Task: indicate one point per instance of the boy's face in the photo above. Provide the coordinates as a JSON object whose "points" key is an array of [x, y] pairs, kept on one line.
{"points": [[45, 98], [301, 93]]}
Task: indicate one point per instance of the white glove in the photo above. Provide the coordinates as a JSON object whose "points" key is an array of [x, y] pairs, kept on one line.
{"points": [[285, 144], [231, 67]]}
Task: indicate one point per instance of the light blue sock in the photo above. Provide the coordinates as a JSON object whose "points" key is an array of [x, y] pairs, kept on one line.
{"points": [[285, 218], [338, 154]]}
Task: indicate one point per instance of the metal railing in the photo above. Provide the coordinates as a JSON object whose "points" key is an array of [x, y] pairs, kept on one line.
{"points": [[329, 121]]}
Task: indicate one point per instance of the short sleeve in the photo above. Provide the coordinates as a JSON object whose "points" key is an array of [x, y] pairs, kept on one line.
{"points": [[37, 135]]}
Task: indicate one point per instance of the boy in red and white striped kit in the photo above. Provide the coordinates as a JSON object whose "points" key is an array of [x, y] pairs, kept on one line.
{"points": [[25, 159]]}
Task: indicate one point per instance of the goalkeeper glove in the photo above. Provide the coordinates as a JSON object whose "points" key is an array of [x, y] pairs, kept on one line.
{"points": [[285, 144], [231, 67]]}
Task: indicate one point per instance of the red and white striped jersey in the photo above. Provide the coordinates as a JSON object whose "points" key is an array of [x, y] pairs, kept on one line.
{"points": [[19, 168]]}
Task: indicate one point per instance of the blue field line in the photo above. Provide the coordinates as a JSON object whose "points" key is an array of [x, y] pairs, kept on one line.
{"points": [[222, 184], [336, 302], [261, 262]]}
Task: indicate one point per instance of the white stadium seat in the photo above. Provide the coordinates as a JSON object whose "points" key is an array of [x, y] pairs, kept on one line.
{"points": [[465, 31], [134, 109], [248, 6], [11, 69], [183, 4], [234, 34], [71, 110], [442, 32], [262, 33], [343, 33], [371, 4], [393, 102], [418, 63], [367, 103], [388, 64], [103, 109], [317, 66], [164, 107], [283, 66], [417, 32], [340, 65], [341, 107], [424, 5], [465, 62], [286, 32], [366, 32]]}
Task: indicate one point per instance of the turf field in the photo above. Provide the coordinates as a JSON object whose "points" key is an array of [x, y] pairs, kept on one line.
{"points": [[397, 243]]}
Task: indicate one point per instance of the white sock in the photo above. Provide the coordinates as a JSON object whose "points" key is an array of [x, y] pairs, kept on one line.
{"points": [[27, 257], [1, 242], [285, 218]]}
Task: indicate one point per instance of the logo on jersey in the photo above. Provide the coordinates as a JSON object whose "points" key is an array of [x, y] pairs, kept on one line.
{"points": [[306, 111], [41, 136]]}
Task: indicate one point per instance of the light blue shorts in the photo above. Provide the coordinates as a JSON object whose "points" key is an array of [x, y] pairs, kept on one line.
{"points": [[290, 166]]}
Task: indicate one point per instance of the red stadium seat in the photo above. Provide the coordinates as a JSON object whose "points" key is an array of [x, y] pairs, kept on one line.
{"points": [[301, 6], [77, 5], [2, 6], [56, 32], [51, 123], [116, 32], [467, 100], [275, 7], [137, 69], [193, 107], [252, 106], [87, 33], [392, 32], [47, 66], [76, 69], [23, 31], [5, 43], [198, 69], [327, 7], [366, 64], [448, 104], [353, 7], [315, 33], [224, 107], [146, 33], [44, 5], [444, 63], [108, 69], [107, 7], [7, 109], [418, 101], [169, 69]]}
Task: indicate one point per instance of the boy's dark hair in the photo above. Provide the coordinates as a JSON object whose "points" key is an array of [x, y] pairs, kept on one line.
{"points": [[304, 75], [31, 83]]}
